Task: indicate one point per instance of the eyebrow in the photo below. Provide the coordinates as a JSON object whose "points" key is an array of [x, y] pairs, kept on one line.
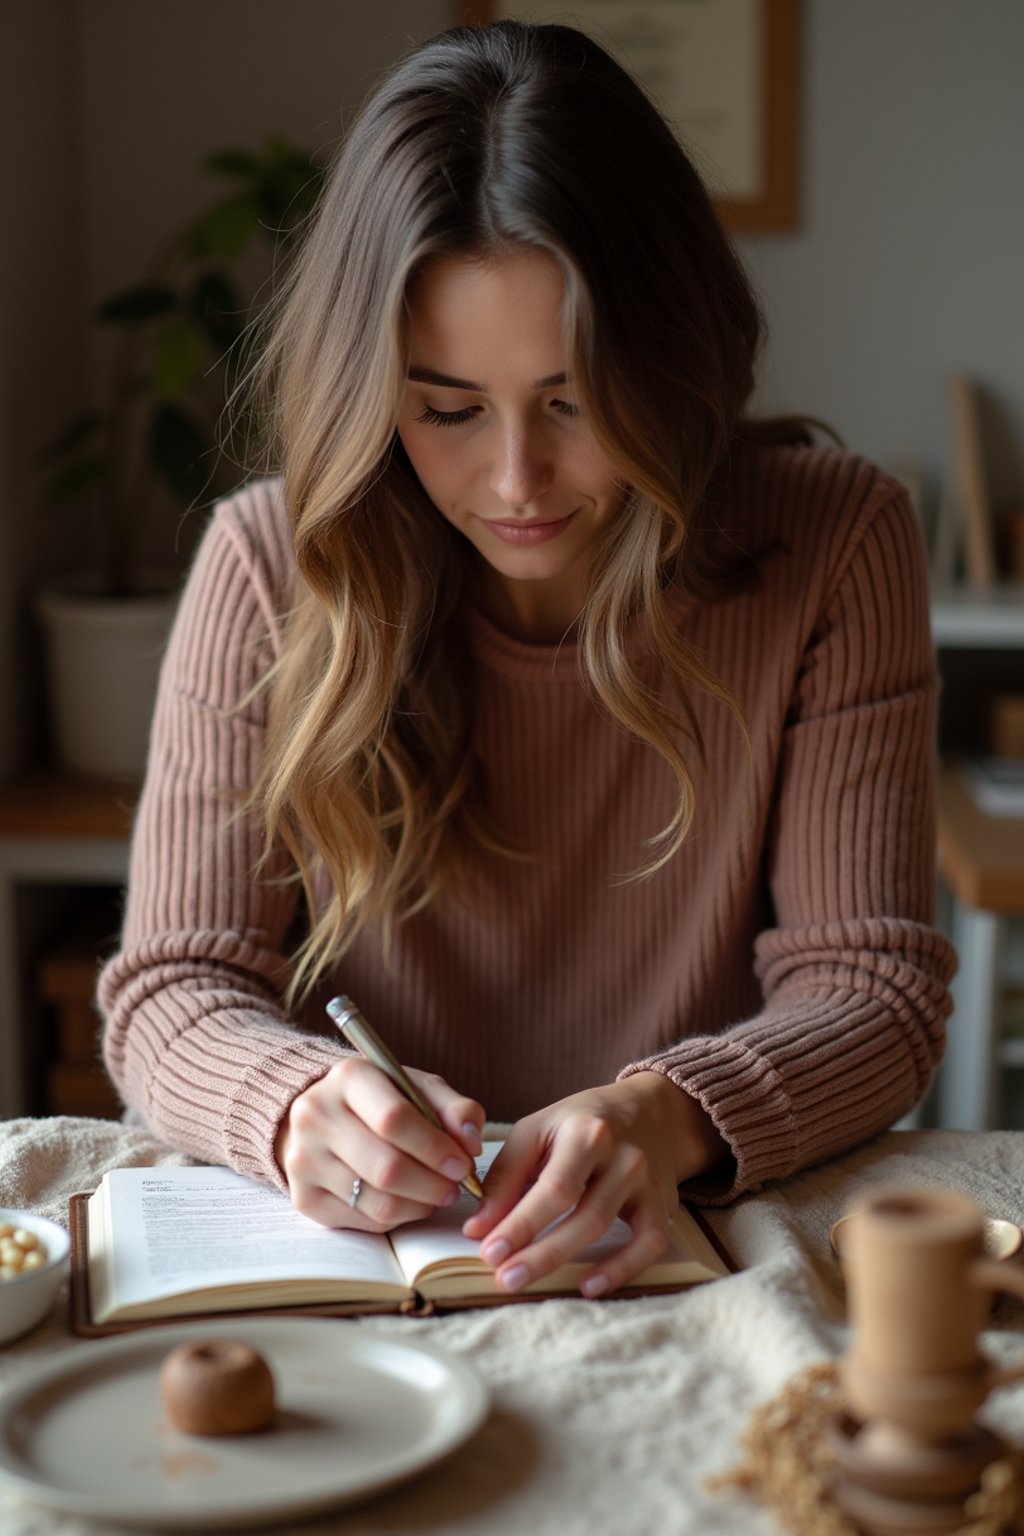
{"points": [[445, 380]]}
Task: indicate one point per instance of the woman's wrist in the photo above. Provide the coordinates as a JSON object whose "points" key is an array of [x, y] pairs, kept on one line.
{"points": [[698, 1145]]}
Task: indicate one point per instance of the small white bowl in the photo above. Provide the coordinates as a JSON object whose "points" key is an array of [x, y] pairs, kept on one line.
{"points": [[26, 1299]]}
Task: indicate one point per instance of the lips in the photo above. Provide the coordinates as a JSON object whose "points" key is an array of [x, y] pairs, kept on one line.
{"points": [[530, 530]]}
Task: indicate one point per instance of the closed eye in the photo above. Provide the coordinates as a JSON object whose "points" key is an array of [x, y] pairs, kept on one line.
{"points": [[566, 407], [434, 418]]}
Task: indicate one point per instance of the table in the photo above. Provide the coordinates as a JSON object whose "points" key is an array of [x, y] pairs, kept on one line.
{"points": [[981, 861], [963, 618], [607, 1416]]}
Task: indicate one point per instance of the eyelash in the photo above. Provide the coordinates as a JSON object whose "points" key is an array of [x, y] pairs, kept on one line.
{"points": [[433, 418]]}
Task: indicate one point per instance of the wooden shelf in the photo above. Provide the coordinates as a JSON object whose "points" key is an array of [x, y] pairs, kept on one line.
{"points": [[981, 857], [54, 832], [49, 806]]}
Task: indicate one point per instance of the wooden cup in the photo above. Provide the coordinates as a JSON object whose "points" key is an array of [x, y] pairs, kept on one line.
{"points": [[919, 1290]]}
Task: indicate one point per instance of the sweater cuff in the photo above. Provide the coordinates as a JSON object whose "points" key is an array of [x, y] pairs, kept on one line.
{"points": [[263, 1099], [748, 1105]]}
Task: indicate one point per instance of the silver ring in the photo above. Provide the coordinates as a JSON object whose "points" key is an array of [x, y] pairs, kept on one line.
{"points": [[357, 1189]]}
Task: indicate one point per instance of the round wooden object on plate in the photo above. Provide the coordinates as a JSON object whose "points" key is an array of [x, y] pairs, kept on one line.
{"points": [[217, 1387]]}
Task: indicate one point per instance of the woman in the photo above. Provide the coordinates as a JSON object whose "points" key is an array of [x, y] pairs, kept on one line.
{"points": [[576, 726]]}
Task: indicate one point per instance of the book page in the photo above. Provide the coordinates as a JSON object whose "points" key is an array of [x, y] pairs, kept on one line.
{"points": [[439, 1239], [171, 1231]]}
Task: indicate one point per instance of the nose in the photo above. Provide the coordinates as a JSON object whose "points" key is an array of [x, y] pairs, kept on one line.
{"points": [[522, 469]]}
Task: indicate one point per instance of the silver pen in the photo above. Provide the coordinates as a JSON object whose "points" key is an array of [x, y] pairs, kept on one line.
{"points": [[343, 1012]]}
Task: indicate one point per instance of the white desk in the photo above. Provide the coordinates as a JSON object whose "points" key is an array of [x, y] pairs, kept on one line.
{"points": [[981, 861], [983, 869], [963, 619]]}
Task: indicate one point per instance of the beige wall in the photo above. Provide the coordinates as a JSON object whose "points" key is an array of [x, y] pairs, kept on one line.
{"points": [[165, 81], [909, 260]]}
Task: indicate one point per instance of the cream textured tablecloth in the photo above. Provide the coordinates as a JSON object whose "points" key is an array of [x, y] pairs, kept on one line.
{"points": [[607, 1416]]}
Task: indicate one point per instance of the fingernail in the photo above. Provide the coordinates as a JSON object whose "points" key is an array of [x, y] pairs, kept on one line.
{"points": [[497, 1252], [451, 1197], [471, 1136], [515, 1278], [454, 1168], [595, 1286]]}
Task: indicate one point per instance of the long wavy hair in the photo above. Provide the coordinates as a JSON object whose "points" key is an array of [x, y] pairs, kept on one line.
{"points": [[484, 140]]}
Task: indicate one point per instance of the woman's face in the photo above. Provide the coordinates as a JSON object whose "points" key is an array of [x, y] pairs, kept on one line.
{"points": [[490, 423]]}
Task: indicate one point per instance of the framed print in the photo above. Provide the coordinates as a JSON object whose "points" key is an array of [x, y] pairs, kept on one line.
{"points": [[724, 72]]}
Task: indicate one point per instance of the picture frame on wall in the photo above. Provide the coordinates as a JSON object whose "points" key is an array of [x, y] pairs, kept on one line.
{"points": [[724, 72]]}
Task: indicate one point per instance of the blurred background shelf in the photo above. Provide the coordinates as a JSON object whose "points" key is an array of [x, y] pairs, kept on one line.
{"points": [[63, 862], [968, 619]]}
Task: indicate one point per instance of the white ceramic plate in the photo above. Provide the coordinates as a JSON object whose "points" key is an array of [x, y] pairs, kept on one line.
{"points": [[357, 1412]]}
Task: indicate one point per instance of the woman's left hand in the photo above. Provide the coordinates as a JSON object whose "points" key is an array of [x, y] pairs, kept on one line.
{"points": [[618, 1150]]}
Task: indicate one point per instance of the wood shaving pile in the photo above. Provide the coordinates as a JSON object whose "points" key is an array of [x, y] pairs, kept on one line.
{"points": [[786, 1464]]}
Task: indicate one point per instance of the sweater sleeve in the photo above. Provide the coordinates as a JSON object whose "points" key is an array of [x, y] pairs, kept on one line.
{"points": [[194, 1035], [854, 980]]}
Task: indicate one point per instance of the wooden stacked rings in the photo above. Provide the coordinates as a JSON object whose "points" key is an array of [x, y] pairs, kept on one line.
{"points": [[921, 1267]]}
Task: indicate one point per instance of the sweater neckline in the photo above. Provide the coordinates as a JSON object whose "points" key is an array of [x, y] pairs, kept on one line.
{"points": [[558, 663], [501, 652]]}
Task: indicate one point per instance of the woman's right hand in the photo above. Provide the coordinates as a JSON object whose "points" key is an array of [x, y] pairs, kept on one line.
{"points": [[353, 1123]]}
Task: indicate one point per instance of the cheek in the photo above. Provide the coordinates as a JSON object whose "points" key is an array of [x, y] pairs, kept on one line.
{"points": [[427, 457], [600, 476]]}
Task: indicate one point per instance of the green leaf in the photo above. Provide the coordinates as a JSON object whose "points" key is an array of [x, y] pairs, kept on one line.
{"points": [[74, 436], [225, 229], [140, 303], [177, 448], [277, 149], [289, 196], [233, 163], [218, 308], [178, 359], [76, 479]]}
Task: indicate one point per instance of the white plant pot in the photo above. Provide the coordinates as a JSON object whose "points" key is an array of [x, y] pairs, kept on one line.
{"points": [[103, 658]]}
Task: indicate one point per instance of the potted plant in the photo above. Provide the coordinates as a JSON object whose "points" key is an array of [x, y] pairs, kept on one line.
{"points": [[181, 343]]}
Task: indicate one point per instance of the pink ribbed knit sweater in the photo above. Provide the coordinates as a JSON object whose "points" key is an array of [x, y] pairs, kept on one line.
{"points": [[780, 968]]}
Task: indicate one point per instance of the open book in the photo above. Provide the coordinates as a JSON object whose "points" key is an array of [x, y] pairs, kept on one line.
{"points": [[156, 1243]]}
